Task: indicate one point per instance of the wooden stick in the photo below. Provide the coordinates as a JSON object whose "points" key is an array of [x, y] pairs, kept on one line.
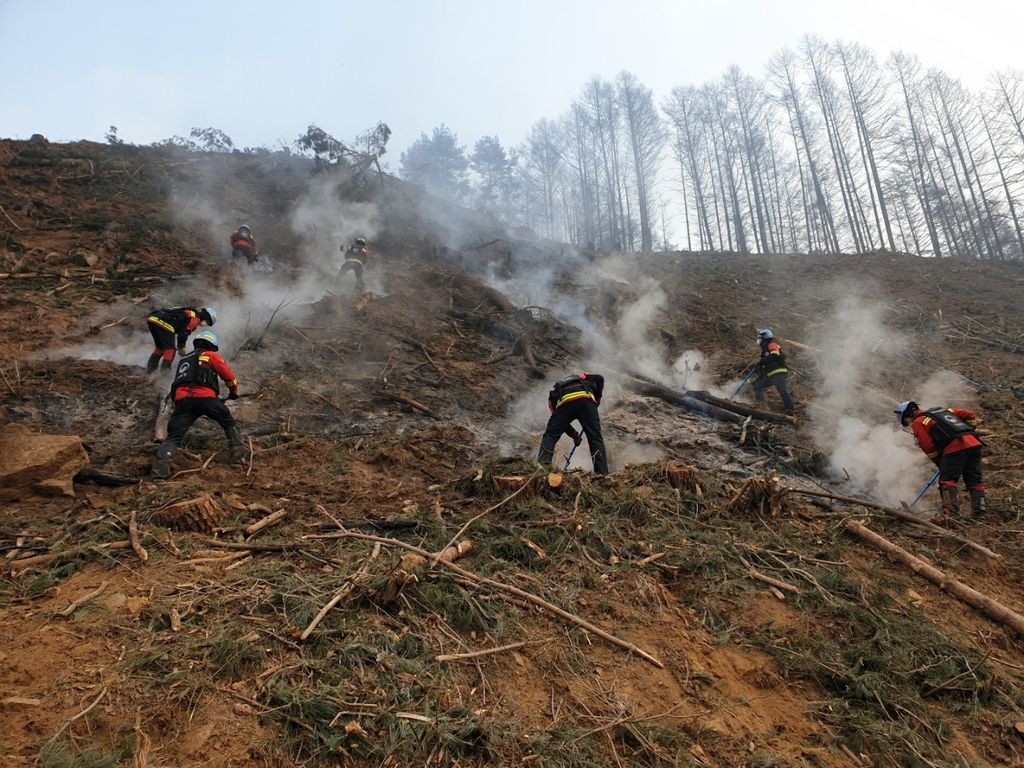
{"points": [[266, 522], [986, 605], [528, 597], [773, 582], [478, 654], [348, 587], [80, 715], [902, 515], [133, 535], [83, 600], [8, 217]]}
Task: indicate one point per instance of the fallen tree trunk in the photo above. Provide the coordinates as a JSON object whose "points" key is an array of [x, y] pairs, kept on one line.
{"points": [[985, 604], [740, 408], [642, 387]]}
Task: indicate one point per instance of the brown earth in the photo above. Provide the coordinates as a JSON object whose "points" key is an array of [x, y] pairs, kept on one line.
{"points": [[413, 413]]}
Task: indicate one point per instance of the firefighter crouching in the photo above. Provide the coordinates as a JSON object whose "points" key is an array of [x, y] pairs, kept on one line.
{"points": [[196, 391], [576, 398], [170, 328], [947, 437]]}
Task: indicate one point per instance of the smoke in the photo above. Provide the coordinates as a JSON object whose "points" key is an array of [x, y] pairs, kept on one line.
{"points": [[852, 414]]}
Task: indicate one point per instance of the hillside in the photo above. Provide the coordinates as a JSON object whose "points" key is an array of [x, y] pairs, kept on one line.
{"points": [[709, 603]]}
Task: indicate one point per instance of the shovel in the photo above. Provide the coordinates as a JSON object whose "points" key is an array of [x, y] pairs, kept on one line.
{"points": [[569, 457], [743, 383]]}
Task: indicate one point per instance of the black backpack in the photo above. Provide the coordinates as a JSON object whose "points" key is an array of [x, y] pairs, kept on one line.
{"points": [[947, 427]]}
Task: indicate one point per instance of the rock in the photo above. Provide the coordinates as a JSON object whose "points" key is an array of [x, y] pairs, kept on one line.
{"points": [[34, 466]]}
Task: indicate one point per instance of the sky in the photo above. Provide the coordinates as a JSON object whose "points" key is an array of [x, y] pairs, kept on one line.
{"points": [[263, 71]]}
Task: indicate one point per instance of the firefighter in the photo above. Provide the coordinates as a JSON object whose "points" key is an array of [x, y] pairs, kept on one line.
{"points": [[947, 436], [772, 371], [170, 328], [356, 256], [243, 245], [576, 398], [195, 390]]}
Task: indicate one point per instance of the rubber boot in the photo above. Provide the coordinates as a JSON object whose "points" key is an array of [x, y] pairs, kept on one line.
{"points": [[236, 455], [162, 465], [153, 363], [978, 504], [165, 364], [950, 504]]}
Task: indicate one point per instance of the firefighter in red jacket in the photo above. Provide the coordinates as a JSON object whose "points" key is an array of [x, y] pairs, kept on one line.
{"points": [[356, 256], [243, 245], [170, 328], [772, 371], [196, 391], [576, 398], [947, 437]]}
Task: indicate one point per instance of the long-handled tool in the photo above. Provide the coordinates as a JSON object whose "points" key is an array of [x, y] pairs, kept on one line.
{"points": [[742, 383], [568, 458], [929, 485]]}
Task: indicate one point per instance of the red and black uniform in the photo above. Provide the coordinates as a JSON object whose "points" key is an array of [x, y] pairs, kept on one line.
{"points": [[947, 437], [195, 390], [244, 246], [576, 398], [170, 329], [356, 257], [772, 372]]}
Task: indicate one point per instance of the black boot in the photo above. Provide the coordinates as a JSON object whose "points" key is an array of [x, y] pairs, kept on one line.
{"points": [[165, 364], [162, 465], [950, 504], [153, 363], [236, 450], [978, 504]]}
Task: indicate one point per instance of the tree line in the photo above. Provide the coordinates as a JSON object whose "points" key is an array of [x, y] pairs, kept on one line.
{"points": [[832, 151]]}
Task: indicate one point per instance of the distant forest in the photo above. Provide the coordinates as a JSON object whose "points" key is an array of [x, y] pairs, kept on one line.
{"points": [[832, 151]]}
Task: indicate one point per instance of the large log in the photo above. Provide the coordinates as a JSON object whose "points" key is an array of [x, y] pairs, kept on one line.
{"points": [[975, 599], [740, 408], [644, 387]]}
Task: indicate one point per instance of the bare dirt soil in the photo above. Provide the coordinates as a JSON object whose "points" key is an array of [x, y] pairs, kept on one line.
{"points": [[691, 609]]}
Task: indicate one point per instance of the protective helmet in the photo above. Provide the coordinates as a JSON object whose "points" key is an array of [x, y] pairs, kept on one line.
{"points": [[360, 241], [206, 340], [766, 333], [244, 230], [908, 408], [211, 314]]}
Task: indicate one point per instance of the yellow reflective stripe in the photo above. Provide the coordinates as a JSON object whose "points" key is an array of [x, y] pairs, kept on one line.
{"points": [[162, 323], [777, 370], [357, 261], [932, 455], [233, 384], [573, 396]]}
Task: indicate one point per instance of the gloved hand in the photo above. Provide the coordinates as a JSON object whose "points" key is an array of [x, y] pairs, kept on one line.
{"points": [[256, 257], [577, 440], [233, 394], [182, 351]]}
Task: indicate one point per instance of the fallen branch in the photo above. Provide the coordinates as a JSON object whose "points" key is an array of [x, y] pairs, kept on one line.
{"points": [[478, 654], [757, 576], [133, 536], [350, 584], [265, 522], [82, 601], [740, 408], [902, 515], [988, 606], [401, 398], [79, 716], [508, 589]]}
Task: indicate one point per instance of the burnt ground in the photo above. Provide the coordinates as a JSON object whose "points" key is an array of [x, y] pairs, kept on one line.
{"points": [[412, 413]]}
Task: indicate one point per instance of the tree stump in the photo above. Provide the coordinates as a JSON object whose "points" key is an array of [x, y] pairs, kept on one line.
{"points": [[200, 514]]}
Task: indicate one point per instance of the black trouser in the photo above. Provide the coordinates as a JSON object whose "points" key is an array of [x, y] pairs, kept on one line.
{"points": [[163, 341], [186, 411], [584, 411], [778, 381], [966, 463], [248, 253]]}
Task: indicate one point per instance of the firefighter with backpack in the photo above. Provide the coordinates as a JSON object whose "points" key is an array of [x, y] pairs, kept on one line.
{"points": [[947, 436]]}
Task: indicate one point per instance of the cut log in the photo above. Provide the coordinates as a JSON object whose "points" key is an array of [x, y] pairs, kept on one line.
{"points": [[649, 388], [164, 409], [975, 599], [109, 479], [199, 514], [740, 408]]}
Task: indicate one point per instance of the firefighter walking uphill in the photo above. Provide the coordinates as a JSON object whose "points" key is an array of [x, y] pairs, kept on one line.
{"points": [[170, 328]]}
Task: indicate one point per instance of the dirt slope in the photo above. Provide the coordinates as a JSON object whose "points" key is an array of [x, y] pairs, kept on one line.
{"points": [[412, 413]]}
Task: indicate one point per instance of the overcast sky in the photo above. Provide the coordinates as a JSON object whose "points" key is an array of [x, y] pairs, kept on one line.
{"points": [[262, 71]]}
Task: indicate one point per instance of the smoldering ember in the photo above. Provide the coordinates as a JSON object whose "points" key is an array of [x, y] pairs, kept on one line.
{"points": [[374, 569]]}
